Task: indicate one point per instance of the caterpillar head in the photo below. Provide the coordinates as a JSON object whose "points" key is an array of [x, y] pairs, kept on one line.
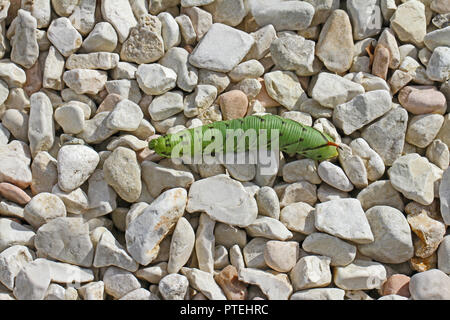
{"points": [[160, 146]]}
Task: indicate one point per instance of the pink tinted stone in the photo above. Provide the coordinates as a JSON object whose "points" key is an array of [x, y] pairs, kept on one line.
{"points": [[264, 98], [13, 193], [397, 284], [381, 61], [422, 100], [233, 104]]}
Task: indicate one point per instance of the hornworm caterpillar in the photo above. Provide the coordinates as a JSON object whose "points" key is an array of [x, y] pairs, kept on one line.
{"points": [[294, 138]]}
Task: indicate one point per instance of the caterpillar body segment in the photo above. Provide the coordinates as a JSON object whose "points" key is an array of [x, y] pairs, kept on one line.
{"points": [[293, 137]]}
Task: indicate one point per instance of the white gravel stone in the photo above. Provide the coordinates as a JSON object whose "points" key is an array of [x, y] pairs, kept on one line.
{"points": [[362, 110], [83, 16], [340, 252], [102, 198], [392, 236], [302, 191], [202, 98], [334, 176], [438, 68], [373, 162], [66, 240], [228, 45], [158, 178], [345, 219], [41, 128], [12, 260], [335, 46], [289, 15], [245, 70], [84, 81], [293, 52], [181, 245], [166, 105], [160, 216], [14, 164], [270, 228], [173, 287], [95, 60], [32, 281], [305, 169], [126, 116], [409, 22], [119, 282], [42, 208], [283, 87], [155, 79], [354, 167], [103, 38], [253, 253], [311, 272], [437, 38], [76, 201], [17, 123], [67, 273], [64, 36], [25, 49], [92, 291], [331, 90], [177, 60], [109, 252], [438, 153], [11, 209], [280, 255], [221, 259], [236, 258], [274, 287], [13, 233], [75, 165], [412, 176], [41, 10], [380, 193], [430, 285], [366, 18], [298, 217], [228, 236], [387, 135], [120, 15], [204, 243], [71, 118], [204, 282], [170, 31], [187, 29], [268, 203], [233, 205], [326, 193], [12, 74], [124, 70], [263, 40], [360, 275], [144, 44], [443, 255], [154, 273], [422, 129], [127, 89]]}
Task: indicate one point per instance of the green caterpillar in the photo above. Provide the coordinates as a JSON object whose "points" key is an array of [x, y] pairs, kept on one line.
{"points": [[294, 137]]}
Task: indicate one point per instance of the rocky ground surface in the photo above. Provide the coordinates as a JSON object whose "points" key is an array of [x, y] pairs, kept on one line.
{"points": [[87, 211]]}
